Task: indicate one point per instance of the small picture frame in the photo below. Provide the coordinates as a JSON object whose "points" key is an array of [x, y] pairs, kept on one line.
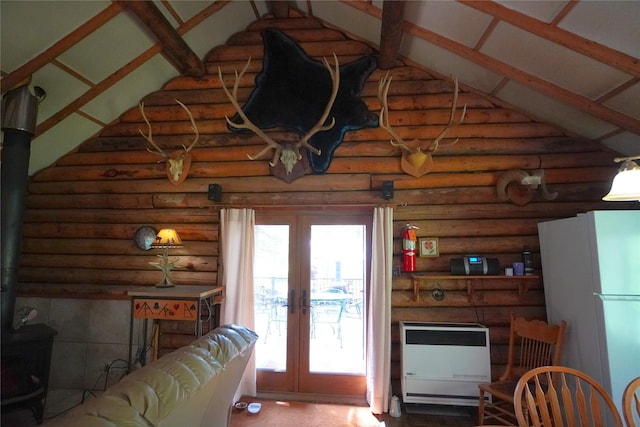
{"points": [[428, 247]]}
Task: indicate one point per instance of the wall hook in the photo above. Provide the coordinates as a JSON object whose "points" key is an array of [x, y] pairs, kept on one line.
{"points": [[437, 294]]}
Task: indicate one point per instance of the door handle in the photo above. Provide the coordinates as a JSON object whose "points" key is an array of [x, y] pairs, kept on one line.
{"points": [[290, 302], [303, 302]]}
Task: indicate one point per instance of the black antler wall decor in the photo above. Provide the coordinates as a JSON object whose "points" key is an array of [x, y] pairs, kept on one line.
{"points": [[292, 91]]}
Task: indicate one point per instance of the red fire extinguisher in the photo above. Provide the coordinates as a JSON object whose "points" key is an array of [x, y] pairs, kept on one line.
{"points": [[409, 243]]}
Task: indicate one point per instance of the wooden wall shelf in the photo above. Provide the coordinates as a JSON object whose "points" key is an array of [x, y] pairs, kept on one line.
{"points": [[523, 282]]}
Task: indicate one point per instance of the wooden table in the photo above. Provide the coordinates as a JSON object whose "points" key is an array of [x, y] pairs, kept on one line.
{"points": [[181, 303]]}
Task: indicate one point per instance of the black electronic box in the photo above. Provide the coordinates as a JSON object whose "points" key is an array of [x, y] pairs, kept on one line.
{"points": [[475, 265]]}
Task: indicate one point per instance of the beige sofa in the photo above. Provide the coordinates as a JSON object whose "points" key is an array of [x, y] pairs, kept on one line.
{"points": [[192, 386]]}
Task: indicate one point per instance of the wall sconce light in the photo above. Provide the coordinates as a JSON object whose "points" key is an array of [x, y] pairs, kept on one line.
{"points": [[626, 184], [215, 192], [387, 190], [165, 239]]}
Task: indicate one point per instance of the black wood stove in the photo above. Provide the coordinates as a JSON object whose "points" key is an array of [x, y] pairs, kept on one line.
{"points": [[26, 350], [26, 358]]}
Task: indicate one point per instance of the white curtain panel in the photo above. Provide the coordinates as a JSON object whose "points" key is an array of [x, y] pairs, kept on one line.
{"points": [[379, 312], [237, 252]]}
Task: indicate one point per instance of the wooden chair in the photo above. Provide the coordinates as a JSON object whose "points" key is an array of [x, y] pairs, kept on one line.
{"points": [[531, 344], [631, 400], [561, 396]]}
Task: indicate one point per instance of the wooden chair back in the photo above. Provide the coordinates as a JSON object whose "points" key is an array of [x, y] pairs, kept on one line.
{"points": [[532, 343], [631, 402], [561, 396]]}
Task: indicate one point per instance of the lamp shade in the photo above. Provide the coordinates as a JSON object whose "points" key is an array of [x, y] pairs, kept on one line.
{"points": [[167, 238], [626, 184]]}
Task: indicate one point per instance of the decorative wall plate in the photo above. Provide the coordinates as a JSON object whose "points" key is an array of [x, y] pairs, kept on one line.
{"points": [[144, 237]]}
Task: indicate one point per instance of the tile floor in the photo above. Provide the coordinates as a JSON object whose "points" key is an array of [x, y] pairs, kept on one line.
{"points": [[58, 402]]}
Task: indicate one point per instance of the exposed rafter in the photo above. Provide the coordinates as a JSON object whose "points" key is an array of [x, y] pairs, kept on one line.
{"points": [[602, 53], [59, 47], [391, 32], [279, 8], [470, 30], [173, 46], [589, 48], [578, 101]]}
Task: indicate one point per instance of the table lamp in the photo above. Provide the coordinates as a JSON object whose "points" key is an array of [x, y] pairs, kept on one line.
{"points": [[165, 239]]}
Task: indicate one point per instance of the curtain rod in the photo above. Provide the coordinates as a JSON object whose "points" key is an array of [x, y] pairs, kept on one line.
{"points": [[312, 206]]}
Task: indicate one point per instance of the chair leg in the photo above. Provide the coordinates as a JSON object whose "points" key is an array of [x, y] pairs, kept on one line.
{"points": [[481, 408], [268, 329]]}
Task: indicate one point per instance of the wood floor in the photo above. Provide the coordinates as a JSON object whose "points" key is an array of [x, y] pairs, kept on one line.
{"points": [[284, 413], [433, 417]]}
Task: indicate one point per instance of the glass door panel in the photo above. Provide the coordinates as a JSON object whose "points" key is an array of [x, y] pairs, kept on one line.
{"points": [[337, 295], [271, 288]]}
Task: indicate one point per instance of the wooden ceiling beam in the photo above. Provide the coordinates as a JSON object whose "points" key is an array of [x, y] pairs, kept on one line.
{"points": [[130, 67], [96, 90], [173, 45], [560, 94], [391, 32], [26, 70], [601, 53], [279, 8]]}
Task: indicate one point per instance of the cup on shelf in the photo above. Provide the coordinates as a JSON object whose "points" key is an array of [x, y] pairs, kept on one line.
{"points": [[508, 271], [518, 268]]}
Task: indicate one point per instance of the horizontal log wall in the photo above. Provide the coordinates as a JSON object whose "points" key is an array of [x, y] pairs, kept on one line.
{"points": [[83, 211]]}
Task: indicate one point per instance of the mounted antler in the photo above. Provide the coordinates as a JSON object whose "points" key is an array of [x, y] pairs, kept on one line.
{"points": [[415, 161], [179, 162], [287, 154]]}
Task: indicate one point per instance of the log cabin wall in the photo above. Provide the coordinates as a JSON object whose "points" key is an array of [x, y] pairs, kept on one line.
{"points": [[83, 211]]}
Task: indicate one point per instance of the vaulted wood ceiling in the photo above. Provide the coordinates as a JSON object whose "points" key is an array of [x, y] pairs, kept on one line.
{"points": [[574, 64]]}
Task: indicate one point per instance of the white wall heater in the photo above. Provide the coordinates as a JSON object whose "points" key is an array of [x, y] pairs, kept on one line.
{"points": [[443, 363]]}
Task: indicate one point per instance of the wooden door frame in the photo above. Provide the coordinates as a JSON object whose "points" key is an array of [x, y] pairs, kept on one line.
{"points": [[311, 384]]}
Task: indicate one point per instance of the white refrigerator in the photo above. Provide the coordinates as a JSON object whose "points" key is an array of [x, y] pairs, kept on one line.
{"points": [[591, 274]]}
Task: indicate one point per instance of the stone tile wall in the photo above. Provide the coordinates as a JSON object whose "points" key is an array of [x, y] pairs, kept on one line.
{"points": [[92, 334]]}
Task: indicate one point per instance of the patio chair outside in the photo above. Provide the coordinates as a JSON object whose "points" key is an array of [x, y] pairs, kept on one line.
{"points": [[329, 313]]}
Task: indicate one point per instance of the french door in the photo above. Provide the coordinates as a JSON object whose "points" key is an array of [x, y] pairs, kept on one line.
{"points": [[310, 281]]}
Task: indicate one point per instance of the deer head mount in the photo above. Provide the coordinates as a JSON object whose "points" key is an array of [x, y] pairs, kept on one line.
{"points": [[416, 157], [178, 162], [286, 154], [519, 187]]}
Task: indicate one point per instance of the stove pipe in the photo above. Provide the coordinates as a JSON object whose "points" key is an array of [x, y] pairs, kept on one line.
{"points": [[20, 109]]}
